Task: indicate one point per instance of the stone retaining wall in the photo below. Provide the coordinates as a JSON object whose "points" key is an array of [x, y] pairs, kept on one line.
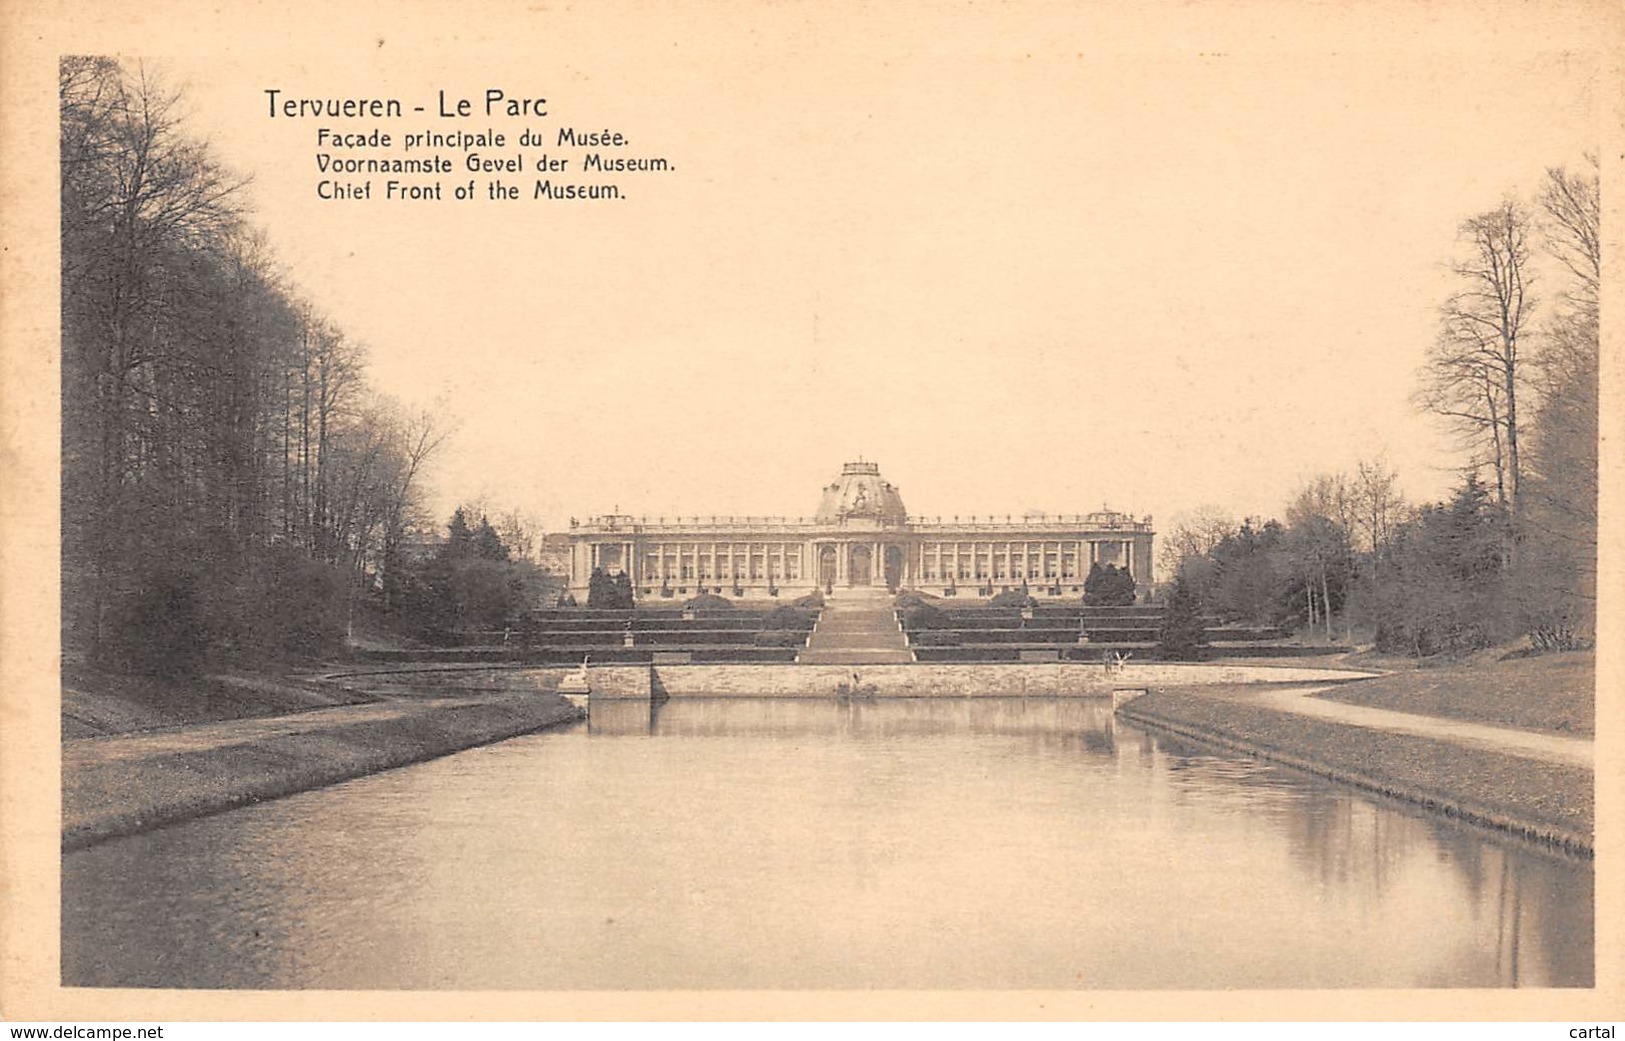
{"points": [[1546, 802], [918, 680], [998, 680]]}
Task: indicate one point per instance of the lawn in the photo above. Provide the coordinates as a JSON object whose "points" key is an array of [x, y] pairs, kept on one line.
{"points": [[1554, 693], [96, 703]]}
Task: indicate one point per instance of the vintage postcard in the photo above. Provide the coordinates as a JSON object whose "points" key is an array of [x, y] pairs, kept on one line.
{"points": [[799, 511]]}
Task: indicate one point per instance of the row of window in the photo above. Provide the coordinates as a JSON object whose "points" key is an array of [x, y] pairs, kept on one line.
{"points": [[789, 572], [966, 549], [930, 574]]}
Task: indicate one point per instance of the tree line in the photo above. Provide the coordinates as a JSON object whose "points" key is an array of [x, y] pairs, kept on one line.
{"points": [[1512, 550], [230, 481]]}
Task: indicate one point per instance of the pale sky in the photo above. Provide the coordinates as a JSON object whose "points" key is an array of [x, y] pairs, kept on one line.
{"points": [[1153, 262]]}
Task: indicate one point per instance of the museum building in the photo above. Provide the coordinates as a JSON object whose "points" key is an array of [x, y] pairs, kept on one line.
{"points": [[861, 536]]}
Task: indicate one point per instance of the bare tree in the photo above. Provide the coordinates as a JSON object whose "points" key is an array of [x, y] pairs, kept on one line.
{"points": [[143, 205], [1193, 534], [418, 438], [1475, 372], [1557, 564], [1564, 450], [521, 532], [223, 463], [1376, 505], [1318, 522], [1573, 209]]}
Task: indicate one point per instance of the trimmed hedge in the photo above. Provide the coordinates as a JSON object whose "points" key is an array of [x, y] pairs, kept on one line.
{"points": [[792, 618], [1017, 598], [924, 616], [782, 638], [707, 602]]}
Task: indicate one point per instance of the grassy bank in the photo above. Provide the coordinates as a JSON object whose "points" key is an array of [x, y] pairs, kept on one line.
{"points": [[95, 703], [1554, 693], [1545, 802], [121, 785]]}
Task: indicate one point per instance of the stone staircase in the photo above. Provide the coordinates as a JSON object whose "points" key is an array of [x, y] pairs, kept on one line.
{"points": [[857, 627]]}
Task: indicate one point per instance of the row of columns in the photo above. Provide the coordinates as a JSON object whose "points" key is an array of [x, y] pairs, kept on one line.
{"points": [[711, 561], [942, 560], [802, 562]]}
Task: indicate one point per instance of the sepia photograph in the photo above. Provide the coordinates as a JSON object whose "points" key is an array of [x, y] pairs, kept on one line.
{"points": [[753, 503]]}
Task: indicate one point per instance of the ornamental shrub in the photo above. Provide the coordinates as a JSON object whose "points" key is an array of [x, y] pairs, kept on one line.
{"points": [[1013, 598], [924, 616], [1108, 586], [707, 602], [781, 638]]}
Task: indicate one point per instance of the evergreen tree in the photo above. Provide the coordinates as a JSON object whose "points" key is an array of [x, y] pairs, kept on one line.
{"points": [[459, 537], [1183, 637], [487, 544], [621, 591], [1107, 585], [600, 591], [1249, 569], [1447, 585]]}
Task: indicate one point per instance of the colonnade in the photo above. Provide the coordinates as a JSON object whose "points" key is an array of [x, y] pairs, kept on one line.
{"points": [[1010, 560], [688, 562], [925, 560]]}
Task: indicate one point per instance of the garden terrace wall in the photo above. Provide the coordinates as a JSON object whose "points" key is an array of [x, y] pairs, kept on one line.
{"points": [[1274, 650], [622, 614], [1058, 615], [1012, 652], [1060, 611], [1045, 636], [785, 679], [1095, 652], [639, 624], [572, 655], [661, 638], [1031, 679]]}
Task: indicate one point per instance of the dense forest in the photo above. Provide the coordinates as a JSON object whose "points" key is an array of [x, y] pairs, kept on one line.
{"points": [[231, 485], [1512, 552]]}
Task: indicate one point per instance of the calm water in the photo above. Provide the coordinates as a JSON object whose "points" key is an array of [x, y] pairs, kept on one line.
{"points": [[809, 844]]}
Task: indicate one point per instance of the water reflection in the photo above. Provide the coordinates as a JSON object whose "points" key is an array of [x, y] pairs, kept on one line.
{"points": [[620, 717], [778, 843]]}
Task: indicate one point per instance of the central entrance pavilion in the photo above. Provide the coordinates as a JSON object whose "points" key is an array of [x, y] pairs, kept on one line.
{"points": [[860, 536]]}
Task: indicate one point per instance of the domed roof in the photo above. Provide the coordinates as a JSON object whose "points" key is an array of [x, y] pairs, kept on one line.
{"points": [[860, 492]]}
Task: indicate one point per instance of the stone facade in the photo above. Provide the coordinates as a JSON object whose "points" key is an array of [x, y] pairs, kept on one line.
{"points": [[861, 536]]}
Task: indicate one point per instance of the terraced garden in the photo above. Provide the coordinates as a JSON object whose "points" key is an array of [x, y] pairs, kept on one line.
{"points": [[1073, 633], [653, 634]]}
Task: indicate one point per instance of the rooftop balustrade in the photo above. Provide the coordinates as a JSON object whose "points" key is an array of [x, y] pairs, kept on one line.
{"points": [[1027, 523]]}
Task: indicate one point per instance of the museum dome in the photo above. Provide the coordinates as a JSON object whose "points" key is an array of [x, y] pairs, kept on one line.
{"points": [[860, 492]]}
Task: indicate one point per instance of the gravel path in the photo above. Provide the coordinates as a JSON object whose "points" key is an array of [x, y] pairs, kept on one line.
{"points": [[201, 737], [1575, 751]]}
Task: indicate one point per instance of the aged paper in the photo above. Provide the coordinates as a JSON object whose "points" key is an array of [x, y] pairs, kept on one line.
{"points": [[939, 235]]}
